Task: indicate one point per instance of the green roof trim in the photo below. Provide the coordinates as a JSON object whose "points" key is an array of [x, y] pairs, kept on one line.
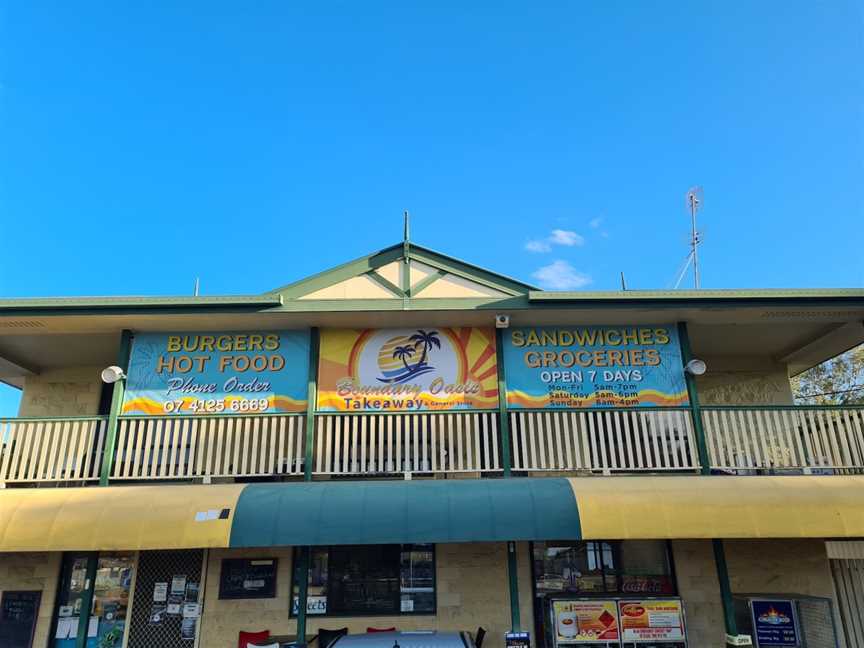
{"points": [[48, 305], [371, 262], [827, 294]]}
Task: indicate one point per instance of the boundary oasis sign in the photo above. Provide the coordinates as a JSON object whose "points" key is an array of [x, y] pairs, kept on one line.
{"points": [[407, 369], [215, 373], [594, 366]]}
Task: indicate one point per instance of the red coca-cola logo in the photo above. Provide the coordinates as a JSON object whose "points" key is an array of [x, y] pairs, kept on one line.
{"points": [[633, 610]]}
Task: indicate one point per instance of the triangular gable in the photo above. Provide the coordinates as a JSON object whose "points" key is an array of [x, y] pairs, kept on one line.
{"points": [[430, 275]]}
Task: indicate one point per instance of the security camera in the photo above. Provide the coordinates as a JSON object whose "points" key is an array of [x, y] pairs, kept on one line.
{"points": [[112, 374], [502, 321]]}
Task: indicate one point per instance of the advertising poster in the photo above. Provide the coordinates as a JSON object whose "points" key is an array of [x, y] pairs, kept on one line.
{"points": [[579, 622], [775, 624], [407, 369], [218, 373], [594, 366], [650, 621]]}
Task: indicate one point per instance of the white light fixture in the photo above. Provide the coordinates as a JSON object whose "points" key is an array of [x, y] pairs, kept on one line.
{"points": [[112, 374], [502, 321], [696, 367]]}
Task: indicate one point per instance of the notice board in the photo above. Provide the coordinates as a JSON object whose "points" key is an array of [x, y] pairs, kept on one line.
{"points": [[18, 613], [246, 579]]}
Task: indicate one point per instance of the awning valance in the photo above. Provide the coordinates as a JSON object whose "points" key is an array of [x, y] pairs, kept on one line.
{"points": [[439, 511]]}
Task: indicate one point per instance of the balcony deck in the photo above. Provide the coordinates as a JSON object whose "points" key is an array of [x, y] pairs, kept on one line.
{"points": [[739, 440]]}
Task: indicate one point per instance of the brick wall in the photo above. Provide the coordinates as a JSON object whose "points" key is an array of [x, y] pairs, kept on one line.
{"points": [[472, 590], [755, 567], [33, 571], [62, 392]]}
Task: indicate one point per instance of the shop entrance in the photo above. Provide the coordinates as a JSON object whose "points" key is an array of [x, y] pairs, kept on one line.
{"points": [[168, 599]]}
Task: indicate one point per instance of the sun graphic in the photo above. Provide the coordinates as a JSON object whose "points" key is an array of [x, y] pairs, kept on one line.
{"points": [[395, 364]]}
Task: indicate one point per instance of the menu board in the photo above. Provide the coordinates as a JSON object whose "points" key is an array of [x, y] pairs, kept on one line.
{"points": [[652, 620], [775, 623], [248, 579], [585, 621], [18, 613]]}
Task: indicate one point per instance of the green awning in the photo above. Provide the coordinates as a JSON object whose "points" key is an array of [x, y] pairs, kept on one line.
{"points": [[458, 510]]}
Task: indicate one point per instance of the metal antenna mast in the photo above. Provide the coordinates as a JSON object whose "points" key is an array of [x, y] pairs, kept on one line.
{"points": [[694, 204]]}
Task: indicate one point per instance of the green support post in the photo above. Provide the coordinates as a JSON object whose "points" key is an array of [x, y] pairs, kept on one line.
{"points": [[87, 600], [302, 570], [693, 395], [705, 463], [312, 397], [116, 404], [725, 591], [515, 621], [503, 419], [303, 594]]}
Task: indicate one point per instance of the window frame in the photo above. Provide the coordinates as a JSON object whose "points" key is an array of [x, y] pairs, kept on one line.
{"points": [[351, 615]]}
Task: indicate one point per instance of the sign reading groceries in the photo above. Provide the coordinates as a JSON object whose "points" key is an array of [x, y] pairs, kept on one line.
{"points": [[214, 373], [651, 620], [585, 621], [594, 366]]}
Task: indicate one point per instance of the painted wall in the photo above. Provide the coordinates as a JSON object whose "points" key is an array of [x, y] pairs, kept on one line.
{"points": [[744, 381], [62, 392], [33, 571], [472, 590]]}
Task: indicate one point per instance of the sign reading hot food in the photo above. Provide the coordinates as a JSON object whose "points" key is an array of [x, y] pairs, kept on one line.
{"points": [[594, 366], [216, 373], [407, 369]]}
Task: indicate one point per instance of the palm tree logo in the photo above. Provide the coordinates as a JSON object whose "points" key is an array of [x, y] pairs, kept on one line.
{"points": [[406, 349]]}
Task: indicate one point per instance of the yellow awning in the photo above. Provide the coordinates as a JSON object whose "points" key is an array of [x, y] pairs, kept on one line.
{"points": [[805, 506], [122, 517]]}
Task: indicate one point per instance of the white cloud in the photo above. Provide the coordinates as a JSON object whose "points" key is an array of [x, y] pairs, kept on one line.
{"points": [[537, 246], [595, 222], [560, 275], [566, 237]]}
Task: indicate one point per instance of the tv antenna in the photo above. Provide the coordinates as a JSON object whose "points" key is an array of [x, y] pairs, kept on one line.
{"points": [[694, 204]]}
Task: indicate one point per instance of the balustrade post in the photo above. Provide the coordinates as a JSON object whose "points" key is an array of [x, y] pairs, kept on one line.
{"points": [[693, 396], [119, 389], [503, 418], [311, 402]]}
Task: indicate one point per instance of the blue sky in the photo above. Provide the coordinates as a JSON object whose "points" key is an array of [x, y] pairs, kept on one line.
{"points": [[252, 144]]}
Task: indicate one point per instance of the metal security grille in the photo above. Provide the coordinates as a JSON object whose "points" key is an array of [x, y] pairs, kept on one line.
{"points": [[161, 567], [849, 583], [817, 623]]}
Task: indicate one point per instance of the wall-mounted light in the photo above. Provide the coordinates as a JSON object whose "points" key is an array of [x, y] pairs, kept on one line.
{"points": [[696, 367], [502, 321], [112, 374]]}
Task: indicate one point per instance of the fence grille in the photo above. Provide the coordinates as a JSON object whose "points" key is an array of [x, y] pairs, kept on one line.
{"points": [[603, 441], [218, 446], [394, 443], [785, 439], [161, 567], [849, 584], [51, 450]]}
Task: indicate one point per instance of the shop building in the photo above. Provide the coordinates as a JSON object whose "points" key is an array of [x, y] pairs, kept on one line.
{"points": [[411, 441]]}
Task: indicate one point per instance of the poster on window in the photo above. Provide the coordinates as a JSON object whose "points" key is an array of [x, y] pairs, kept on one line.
{"points": [[594, 366], [775, 623], [585, 621], [652, 620], [218, 373], [425, 368]]}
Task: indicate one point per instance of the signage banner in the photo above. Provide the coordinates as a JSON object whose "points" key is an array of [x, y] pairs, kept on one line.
{"points": [[216, 373], [652, 620], [585, 621], [775, 623], [407, 369], [594, 366]]}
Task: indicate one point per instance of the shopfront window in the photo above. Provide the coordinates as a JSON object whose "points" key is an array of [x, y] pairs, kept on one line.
{"points": [[370, 580], [111, 586], [587, 568]]}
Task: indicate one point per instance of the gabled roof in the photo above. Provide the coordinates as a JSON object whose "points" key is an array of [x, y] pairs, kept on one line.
{"points": [[404, 271]]}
